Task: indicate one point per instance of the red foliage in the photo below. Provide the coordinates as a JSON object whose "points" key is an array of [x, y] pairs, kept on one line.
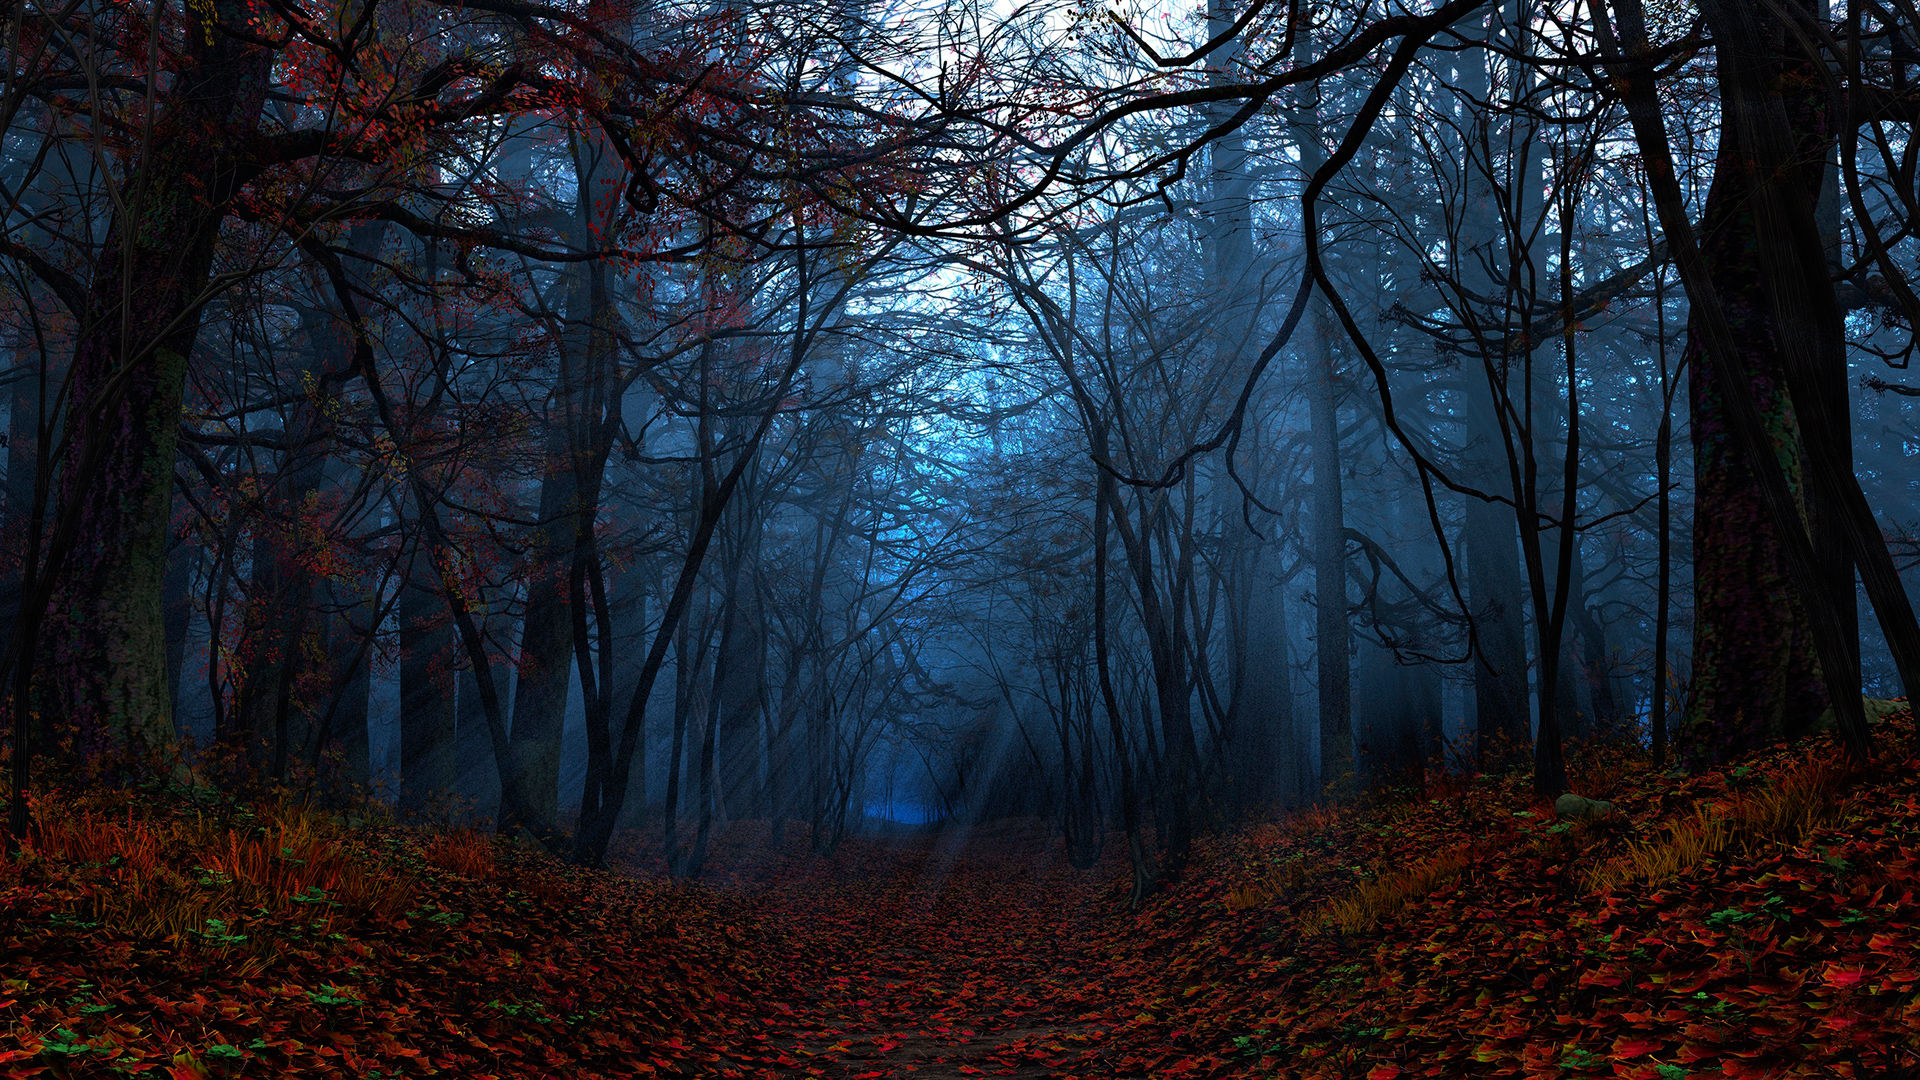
{"points": [[933, 958], [510, 969]]}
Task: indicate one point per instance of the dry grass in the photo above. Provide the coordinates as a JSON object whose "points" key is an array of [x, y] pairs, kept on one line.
{"points": [[1291, 875], [196, 881], [1599, 773], [1314, 820], [1794, 803], [465, 852], [1372, 901], [1306, 821], [1282, 879]]}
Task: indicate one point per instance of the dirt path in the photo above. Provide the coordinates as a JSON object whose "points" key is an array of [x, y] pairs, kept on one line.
{"points": [[935, 962]]}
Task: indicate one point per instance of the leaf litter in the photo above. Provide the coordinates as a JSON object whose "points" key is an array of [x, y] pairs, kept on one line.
{"points": [[1761, 920]]}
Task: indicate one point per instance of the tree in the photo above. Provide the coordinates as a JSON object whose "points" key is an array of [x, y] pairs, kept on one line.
{"points": [[1761, 324]]}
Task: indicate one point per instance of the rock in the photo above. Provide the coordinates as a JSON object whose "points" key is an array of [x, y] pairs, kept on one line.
{"points": [[1878, 709], [1581, 808]]}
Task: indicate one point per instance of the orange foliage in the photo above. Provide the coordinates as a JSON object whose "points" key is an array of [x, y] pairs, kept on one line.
{"points": [[1794, 802], [466, 852], [1283, 879], [1385, 895], [193, 879]]}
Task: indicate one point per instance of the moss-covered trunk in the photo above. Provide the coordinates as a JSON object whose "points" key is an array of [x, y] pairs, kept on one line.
{"points": [[1756, 677], [101, 673]]}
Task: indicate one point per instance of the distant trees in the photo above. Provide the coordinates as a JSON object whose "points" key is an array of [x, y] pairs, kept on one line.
{"points": [[786, 413], [206, 174]]}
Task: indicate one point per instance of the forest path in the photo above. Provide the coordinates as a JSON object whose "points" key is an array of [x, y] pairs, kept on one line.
{"points": [[938, 959]]}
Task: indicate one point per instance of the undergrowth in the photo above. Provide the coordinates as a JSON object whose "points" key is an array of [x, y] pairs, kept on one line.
{"points": [[192, 881], [1758, 920], [142, 933], [1791, 801], [1371, 901]]}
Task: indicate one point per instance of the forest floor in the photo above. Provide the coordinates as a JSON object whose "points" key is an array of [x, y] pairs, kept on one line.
{"points": [[1761, 920]]}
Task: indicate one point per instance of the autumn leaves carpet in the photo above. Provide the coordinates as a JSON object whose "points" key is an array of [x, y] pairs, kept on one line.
{"points": [[1760, 921]]}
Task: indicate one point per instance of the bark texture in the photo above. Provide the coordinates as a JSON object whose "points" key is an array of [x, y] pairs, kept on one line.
{"points": [[102, 669], [1756, 679]]}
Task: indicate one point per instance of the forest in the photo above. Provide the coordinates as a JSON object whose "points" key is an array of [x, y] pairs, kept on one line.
{"points": [[747, 538]]}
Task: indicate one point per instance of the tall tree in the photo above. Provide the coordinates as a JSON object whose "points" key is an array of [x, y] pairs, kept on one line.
{"points": [[103, 668], [1328, 544], [427, 650], [1503, 724], [1764, 328]]}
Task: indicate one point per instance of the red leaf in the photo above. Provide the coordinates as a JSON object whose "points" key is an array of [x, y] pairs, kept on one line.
{"points": [[1692, 1052], [1844, 975], [21, 1071], [1627, 1046]]}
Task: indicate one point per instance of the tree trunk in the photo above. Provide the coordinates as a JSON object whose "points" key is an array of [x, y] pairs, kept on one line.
{"points": [[1327, 539], [1663, 588], [1253, 725], [545, 667], [629, 604], [1331, 632], [568, 489], [23, 463], [177, 611], [706, 789], [272, 644], [286, 674], [1163, 623], [1596, 662], [739, 675], [1397, 721], [1139, 858], [34, 407], [1264, 695], [1503, 723], [1756, 678], [1797, 295], [344, 727], [477, 775], [426, 694], [1502, 720], [688, 663], [102, 672]]}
